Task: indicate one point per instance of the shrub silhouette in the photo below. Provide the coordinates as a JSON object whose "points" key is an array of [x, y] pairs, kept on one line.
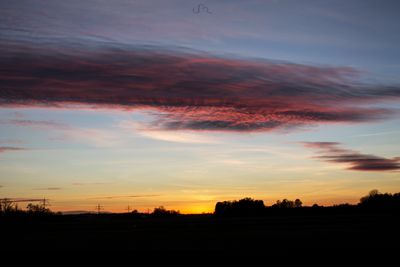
{"points": [[37, 209], [135, 212], [243, 207]]}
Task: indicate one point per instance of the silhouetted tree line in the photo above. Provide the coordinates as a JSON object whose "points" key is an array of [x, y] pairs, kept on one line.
{"points": [[378, 200], [10, 207], [287, 204], [251, 207], [244, 207]]}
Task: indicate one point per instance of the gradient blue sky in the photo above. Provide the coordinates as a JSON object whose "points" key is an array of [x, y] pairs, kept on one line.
{"points": [[81, 149]]}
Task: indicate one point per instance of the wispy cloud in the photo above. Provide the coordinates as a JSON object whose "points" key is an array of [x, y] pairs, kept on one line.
{"points": [[189, 90], [129, 196], [4, 149], [93, 183], [176, 136], [376, 134], [93, 136], [48, 188], [167, 135], [11, 141], [37, 123], [332, 152], [26, 199]]}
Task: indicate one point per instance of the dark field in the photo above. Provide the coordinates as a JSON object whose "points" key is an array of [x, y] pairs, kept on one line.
{"points": [[194, 233]]}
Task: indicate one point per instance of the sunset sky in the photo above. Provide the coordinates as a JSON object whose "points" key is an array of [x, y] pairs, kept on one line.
{"points": [[184, 103]]}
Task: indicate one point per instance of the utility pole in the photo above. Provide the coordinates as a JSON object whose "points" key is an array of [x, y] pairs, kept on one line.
{"points": [[99, 208], [129, 209], [44, 203]]}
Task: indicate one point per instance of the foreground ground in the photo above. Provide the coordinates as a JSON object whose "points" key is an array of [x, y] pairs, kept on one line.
{"points": [[200, 232]]}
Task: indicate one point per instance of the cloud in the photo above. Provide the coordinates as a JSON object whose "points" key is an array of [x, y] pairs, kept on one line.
{"points": [[95, 137], [177, 137], [37, 123], [11, 141], [187, 90], [48, 188], [332, 152], [94, 183], [27, 199], [163, 135], [131, 196], [4, 149]]}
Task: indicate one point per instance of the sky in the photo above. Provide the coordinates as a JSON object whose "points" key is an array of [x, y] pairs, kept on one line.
{"points": [[184, 103]]}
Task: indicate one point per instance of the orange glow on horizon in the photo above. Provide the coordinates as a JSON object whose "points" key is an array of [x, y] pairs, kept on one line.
{"points": [[191, 207]]}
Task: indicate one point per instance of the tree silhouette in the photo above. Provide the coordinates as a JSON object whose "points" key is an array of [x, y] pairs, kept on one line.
{"points": [[288, 204], [284, 204], [298, 203], [162, 212], [243, 207], [7, 206]]}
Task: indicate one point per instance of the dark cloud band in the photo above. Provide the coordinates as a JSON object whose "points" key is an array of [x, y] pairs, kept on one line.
{"points": [[332, 152], [187, 90]]}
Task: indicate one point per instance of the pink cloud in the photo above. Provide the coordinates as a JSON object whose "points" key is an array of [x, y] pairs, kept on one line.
{"points": [[189, 90]]}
